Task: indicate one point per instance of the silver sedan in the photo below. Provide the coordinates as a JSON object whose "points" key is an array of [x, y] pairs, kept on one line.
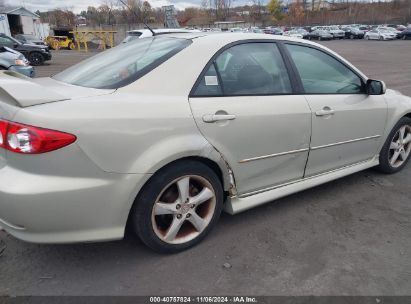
{"points": [[165, 132]]}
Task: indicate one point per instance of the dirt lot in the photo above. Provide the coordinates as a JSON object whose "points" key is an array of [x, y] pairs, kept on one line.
{"points": [[348, 237]]}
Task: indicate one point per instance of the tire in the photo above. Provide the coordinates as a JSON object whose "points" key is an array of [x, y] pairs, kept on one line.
{"points": [[36, 58], [55, 45], [71, 46], [388, 151], [352, 37], [159, 207], [381, 38]]}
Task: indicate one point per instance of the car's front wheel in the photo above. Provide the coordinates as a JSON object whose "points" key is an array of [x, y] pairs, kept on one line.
{"points": [[397, 149], [178, 206], [36, 58]]}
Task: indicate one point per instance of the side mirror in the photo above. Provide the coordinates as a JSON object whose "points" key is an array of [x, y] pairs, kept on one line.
{"points": [[15, 45], [375, 87]]}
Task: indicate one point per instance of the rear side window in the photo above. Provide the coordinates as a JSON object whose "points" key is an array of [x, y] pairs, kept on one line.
{"points": [[322, 74], [123, 64], [246, 69], [209, 84]]}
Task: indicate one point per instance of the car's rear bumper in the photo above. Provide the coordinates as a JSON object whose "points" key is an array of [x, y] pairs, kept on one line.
{"points": [[90, 205], [25, 70]]}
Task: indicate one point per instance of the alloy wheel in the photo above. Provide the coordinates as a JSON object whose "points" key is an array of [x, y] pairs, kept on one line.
{"points": [[36, 58], [400, 147], [183, 210]]}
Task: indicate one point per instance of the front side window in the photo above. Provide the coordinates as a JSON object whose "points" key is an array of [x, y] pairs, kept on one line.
{"points": [[123, 64], [322, 74], [246, 69]]}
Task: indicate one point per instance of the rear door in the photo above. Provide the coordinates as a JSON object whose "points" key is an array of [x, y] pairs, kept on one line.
{"points": [[245, 106]]}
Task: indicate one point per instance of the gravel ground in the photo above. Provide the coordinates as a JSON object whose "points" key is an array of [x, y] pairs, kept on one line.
{"points": [[347, 237]]}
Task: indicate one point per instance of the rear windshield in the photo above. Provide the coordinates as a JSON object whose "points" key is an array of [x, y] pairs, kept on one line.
{"points": [[123, 64]]}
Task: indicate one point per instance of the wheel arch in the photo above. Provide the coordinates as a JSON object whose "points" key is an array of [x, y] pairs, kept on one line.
{"points": [[219, 166]]}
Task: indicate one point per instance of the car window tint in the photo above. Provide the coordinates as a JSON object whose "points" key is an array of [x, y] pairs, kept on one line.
{"points": [[253, 69], [209, 84], [322, 74]]}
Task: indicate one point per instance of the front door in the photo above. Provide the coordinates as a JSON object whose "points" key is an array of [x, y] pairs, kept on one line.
{"points": [[245, 107], [347, 124]]}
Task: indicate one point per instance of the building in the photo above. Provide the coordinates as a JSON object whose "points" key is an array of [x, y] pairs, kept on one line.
{"points": [[19, 20]]}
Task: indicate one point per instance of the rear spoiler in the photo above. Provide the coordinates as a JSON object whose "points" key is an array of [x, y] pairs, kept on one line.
{"points": [[17, 89]]}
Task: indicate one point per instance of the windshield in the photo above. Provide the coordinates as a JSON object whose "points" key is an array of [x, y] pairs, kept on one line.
{"points": [[334, 28], [123, 64]]}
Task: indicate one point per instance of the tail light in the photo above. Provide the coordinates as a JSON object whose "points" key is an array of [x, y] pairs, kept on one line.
{"points": [[26, 139]]}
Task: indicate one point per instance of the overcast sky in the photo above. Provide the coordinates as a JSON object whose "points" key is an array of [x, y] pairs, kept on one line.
{"points": [[79, 5]]}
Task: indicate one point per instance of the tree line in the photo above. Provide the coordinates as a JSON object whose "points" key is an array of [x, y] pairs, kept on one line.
{"points": [[299, 12]]}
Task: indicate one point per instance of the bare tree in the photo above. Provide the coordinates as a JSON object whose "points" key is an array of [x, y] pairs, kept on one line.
{"points": [[222, 9]]}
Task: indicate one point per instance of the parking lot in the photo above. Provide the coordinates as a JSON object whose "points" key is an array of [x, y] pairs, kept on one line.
{"points": [[348, 237]]}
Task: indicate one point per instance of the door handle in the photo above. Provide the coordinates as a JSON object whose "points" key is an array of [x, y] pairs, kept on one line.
{"points": [[325, 112], [218, 117]]}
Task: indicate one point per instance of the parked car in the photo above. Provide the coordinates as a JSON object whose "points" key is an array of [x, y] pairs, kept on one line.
{"points": [[303, 32], [380, 34], [405, 34], [353, 32], [273, 31], [36, 54], [14, 61], [143, 33], [390, 29], [333, 30], [147, 134], [294, 34], [365, 28], [320, 35], [29, 39], [236, 30]]}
